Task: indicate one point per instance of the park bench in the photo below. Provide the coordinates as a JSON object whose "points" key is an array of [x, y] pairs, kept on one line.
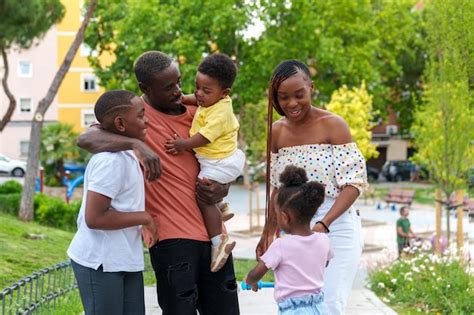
{"points": [[402, 196]]}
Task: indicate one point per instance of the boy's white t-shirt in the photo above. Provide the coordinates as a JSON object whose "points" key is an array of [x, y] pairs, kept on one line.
{"points": [[118, 176]]}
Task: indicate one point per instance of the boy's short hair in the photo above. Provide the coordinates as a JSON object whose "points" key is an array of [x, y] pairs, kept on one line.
{"points": [[220, 67], [112, 103], [402, 209], [149, 64]]}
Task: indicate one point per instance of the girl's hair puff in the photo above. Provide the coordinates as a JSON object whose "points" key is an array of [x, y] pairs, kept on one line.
{"points": [[298, 195]]}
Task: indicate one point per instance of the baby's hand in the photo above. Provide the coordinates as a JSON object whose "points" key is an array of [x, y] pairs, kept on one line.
{"points": [[175, 146]]}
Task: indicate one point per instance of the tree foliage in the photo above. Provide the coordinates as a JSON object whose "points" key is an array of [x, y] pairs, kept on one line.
{"points": [[58, 143], [344, 42], [184, 29], [355, 106], [21, 23], [443, 127]]}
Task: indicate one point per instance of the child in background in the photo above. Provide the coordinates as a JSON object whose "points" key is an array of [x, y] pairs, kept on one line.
{"points": [[404, 231], [106, 251], [213, 136], [298, 259]]}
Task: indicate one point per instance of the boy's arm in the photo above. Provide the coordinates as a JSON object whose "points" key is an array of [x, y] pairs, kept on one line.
{"points": [[255, 275], [178, 144], [95, 140], [413, 235], [100, 216], [400, 232]]}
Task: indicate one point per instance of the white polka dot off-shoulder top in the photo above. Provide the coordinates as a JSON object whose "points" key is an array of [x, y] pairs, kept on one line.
{"points": [[334, 166]]}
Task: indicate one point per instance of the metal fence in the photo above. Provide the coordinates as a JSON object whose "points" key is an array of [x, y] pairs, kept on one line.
{"points": [[38, 293]]}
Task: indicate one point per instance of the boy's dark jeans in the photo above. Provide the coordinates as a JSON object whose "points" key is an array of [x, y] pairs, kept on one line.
{"points": [[185, 282]]}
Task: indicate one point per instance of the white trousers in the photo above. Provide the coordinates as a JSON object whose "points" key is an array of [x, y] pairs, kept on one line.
{"points": [[223, 170], [347, 243]]}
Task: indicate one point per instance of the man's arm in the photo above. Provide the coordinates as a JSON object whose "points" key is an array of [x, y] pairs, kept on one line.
{"points": [[210, 192], [95, 140]]}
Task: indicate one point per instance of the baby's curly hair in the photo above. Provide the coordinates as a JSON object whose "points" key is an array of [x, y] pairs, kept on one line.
{"points": [[220, 67], [299, 196]]}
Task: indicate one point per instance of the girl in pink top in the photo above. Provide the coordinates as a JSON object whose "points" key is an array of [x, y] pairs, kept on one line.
{"points": [[298, 276]]}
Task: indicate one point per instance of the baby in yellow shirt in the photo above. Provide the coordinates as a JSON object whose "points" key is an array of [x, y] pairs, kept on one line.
{"points": [[213, 136]]}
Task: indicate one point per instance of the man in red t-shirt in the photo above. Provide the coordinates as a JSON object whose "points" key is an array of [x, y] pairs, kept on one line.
{"points": [[182, 256]]}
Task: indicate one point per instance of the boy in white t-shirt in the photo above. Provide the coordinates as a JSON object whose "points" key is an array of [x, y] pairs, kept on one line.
{"points": [[107, 252]]}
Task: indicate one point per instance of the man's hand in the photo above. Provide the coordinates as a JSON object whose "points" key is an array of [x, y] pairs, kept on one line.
{"points": [[210, 192], [175, 146], [149, 159]]}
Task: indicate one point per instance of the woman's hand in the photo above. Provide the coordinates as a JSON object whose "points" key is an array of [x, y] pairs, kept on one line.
{"points": [[318, 227]]}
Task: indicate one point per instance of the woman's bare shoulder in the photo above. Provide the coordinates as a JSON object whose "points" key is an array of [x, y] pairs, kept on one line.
{"points": [[339, 132]]}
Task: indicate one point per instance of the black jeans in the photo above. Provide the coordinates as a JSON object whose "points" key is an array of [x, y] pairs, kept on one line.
{"points": [[185, 283]]}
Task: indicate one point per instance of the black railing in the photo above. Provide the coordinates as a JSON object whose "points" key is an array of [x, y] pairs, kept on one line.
{"points": [[38, 293]]}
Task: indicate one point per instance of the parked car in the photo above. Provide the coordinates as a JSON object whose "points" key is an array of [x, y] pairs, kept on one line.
{"points": [[372, 174], [396, 171], [12, 167]]}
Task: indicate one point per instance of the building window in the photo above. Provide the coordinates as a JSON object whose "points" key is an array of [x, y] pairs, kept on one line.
{"points": [[24, 148], [25, 69], [89, 83], [25, 105], [87, 118]]}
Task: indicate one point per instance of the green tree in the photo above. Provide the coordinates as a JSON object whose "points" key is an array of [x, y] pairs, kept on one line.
{"points": [[58, 143], [443, 127], [21, 23], [184, 29], [343, 42], [26, 205], [355, 106]]}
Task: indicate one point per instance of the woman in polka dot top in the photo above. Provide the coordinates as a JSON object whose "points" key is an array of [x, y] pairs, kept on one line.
{"points": [[321, 143]]}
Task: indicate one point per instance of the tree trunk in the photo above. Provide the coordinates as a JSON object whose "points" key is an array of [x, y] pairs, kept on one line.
{"points": [[26, 205], [12, 105]]}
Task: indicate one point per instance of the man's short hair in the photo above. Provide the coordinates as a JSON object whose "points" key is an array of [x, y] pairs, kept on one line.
{"points": [[149, 64], [219, 67], [112, 103]]}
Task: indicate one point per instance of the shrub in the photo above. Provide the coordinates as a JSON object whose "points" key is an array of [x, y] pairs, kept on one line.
{"points": [[428, 283], [55, 212], [10, 203], [11, 187]]}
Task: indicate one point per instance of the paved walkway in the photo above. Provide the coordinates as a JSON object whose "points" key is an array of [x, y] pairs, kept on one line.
{"points": [[380, 249]]}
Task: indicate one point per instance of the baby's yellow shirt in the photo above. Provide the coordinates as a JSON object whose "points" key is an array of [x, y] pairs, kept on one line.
{"points": [[218, 124]]}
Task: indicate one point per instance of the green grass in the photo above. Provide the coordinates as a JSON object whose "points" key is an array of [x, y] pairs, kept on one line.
{"points": [[20, 256]]}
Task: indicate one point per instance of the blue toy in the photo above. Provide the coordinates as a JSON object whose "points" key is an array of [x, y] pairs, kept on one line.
{"points": [[260, 284]]}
